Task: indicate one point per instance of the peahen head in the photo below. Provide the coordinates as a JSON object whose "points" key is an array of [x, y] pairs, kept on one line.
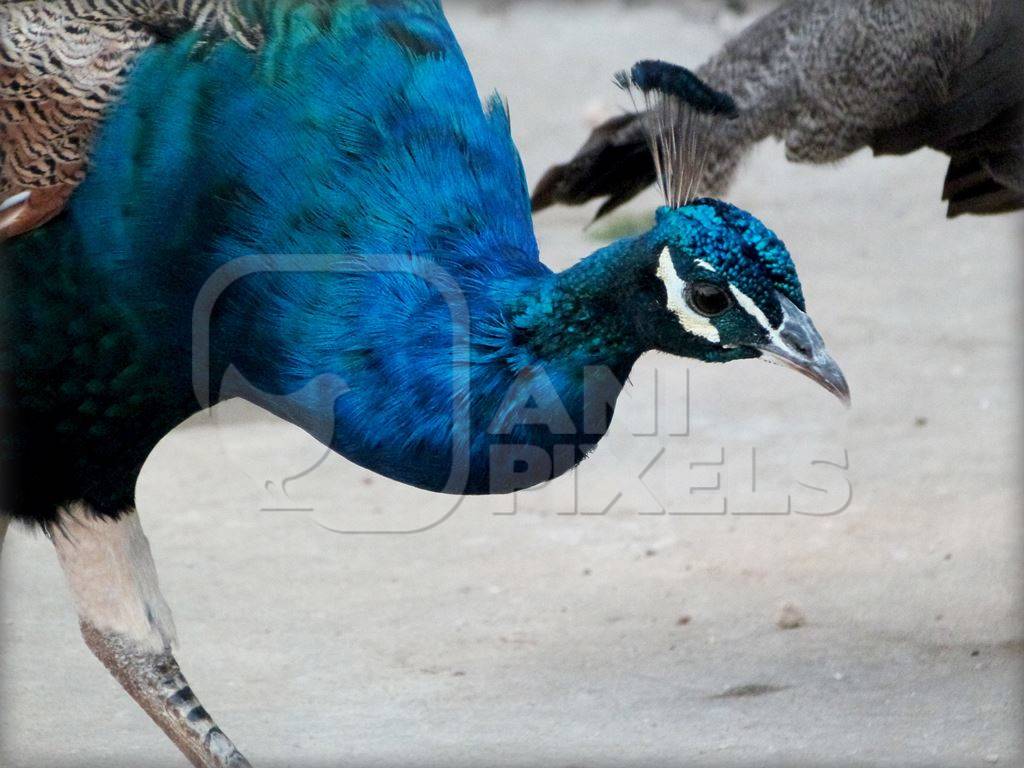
{"points": [[726, 289]]}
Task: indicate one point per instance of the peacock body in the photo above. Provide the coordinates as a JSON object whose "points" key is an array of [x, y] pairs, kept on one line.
{"points": [[319, 215], [383, 159]]}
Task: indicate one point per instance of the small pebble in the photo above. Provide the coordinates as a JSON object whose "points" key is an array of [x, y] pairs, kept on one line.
{"points": [[991, 759], [683, 621], [790, 617], [921, 421]]}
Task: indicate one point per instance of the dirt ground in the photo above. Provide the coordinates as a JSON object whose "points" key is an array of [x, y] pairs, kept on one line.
{"points": [[612, 620]]}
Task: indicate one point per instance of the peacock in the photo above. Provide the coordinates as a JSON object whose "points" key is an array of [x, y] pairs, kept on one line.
{"points": [[830, 77], [308, 196]]}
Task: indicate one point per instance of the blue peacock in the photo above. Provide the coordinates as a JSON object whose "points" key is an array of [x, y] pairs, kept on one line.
{"points": [[316, 186]]}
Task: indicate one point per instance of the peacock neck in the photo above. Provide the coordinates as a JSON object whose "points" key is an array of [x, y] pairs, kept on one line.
{"points": [[592, 314]]}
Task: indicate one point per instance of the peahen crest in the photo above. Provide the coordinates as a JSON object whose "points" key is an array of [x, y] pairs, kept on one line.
{"points": [[680, 111]]}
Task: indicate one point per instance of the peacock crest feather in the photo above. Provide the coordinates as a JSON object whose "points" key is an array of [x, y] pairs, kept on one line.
{"points": [[679, 115]]}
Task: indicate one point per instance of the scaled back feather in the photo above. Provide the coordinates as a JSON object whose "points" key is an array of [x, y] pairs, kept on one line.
{"points": [[63, 63]]}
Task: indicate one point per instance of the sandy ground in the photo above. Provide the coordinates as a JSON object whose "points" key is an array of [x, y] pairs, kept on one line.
{"points": [[604, 622]]}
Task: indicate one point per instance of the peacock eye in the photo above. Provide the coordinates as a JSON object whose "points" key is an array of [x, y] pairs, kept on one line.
{"points": [[708, 299]]}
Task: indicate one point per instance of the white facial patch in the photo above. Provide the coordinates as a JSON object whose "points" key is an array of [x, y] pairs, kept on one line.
{"points": [[676, 290], [750, 307]]}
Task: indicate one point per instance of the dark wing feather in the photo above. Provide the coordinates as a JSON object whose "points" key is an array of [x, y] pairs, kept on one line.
{"points": [[615, 163], [62, 63]]}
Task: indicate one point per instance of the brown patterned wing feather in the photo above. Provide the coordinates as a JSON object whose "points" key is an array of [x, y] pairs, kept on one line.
{"points": [[62, 64]]}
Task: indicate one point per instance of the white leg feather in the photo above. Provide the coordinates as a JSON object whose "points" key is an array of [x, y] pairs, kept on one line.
{"points": [[112, 577], [126, 623]]}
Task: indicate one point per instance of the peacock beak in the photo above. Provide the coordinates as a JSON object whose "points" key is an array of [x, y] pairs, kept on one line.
{"points": [[797, 344]]}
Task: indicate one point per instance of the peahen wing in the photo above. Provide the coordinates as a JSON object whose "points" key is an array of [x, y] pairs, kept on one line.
{"points": [[62, 64], [980, 124]]}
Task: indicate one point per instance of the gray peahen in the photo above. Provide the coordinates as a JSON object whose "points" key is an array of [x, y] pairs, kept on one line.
{"points": [[829, 77]]}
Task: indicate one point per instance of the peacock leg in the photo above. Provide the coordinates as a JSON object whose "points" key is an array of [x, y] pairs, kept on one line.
{"points": [[126, 623]]}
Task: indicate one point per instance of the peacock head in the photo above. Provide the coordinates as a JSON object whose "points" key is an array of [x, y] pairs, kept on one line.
{"points": [[725, 285], [726, 289]]}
